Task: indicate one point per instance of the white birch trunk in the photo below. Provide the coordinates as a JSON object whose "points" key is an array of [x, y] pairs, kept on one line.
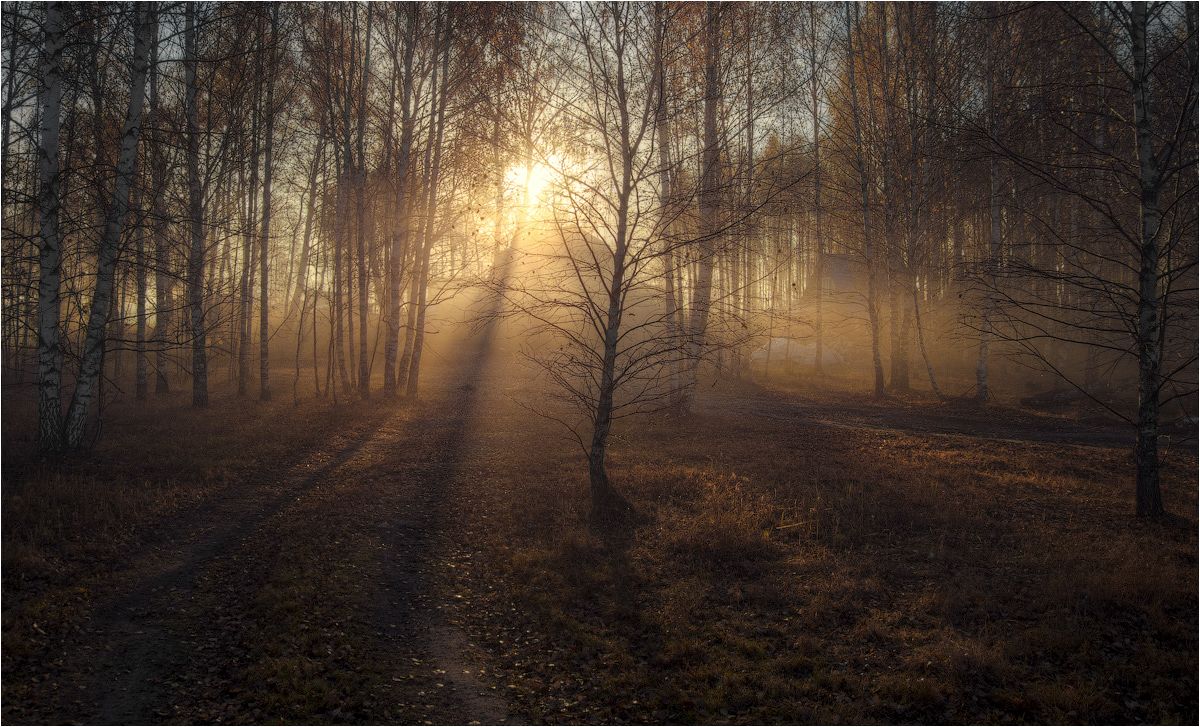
{"points": [[49, 351], [702, 295], [662, 132], [414, 370], [401, 223], [110, 245], [141, 384], [1149, 495]]}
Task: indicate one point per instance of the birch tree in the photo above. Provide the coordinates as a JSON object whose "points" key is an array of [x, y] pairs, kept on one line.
{"points": [[401, 224], [1128, 288], [852, 31], [709, 226], [195, 217], [265, 242], [589, 289], [49, 354]]}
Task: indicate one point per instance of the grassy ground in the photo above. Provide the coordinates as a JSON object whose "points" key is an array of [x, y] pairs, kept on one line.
{"points": [[775, 571], [797, 573], [68, 521]]}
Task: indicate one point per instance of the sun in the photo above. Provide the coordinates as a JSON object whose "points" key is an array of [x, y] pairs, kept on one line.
{"points": [[538, 176]]}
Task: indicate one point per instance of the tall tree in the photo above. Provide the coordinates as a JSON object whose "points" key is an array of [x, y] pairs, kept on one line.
{"points": [[709, 198], [992, 261], [195, 217], [364, 368], [110, 246], [264, 336], [50, 434], [401, 224], [163, 280], [443, 35], [852, 31]]}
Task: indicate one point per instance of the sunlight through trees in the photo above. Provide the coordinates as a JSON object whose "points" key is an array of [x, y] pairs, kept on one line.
{"points": [[192, 191]]}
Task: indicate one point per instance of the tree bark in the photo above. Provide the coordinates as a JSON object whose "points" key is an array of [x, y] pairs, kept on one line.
{"points": [[702, 295], [163, 281], [195, 213], [264, 336], [141, 383], [246, 291], [364, 365], [49, 350], [662, 134], [106, 262], [868, 249], [818, 280], [414, 369], [401, 224], [1149, 495], [982, 393]]}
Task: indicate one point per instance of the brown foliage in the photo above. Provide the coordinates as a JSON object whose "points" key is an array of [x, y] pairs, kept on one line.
{"points": [[802, 573]]}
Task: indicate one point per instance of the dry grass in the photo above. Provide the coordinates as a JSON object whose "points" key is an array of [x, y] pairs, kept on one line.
{"points": [[795, 573], [67, 520], [775, 572]]}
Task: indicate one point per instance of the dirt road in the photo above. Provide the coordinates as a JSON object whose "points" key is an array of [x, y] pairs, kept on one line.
{"points": [[310, 596], [929, 420], [319, 593]]}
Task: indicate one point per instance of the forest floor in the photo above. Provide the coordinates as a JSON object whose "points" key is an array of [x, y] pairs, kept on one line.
{"points": [[799, 553]]}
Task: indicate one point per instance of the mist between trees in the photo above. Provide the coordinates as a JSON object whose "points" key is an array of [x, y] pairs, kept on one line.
{"points": [[655, 190]]}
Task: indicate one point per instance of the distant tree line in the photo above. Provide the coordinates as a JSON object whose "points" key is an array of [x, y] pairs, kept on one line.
{"points": [[200, 189]]}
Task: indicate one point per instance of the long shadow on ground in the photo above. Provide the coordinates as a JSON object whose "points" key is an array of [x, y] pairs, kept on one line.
{"points": [[190, 625]]}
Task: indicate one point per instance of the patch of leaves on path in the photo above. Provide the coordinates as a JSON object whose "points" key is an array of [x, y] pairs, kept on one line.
{"points": [[794, 574]]}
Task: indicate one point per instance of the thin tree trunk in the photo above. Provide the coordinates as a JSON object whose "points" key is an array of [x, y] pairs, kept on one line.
{"points": [[921, 340], [414, 370], [339, 232], [106, 263], [195, 214], [348, 179], [662, 132], [868, 249], [748, 220], [364, 367], [300, 299], [982, 393], [299, 345], [702, 294], [9, 93], [141, 383], [163, 281], [246, 291], [264, 330], [819, 271], [605, 499], [401, 224], [49, 351], [1149, 494]]}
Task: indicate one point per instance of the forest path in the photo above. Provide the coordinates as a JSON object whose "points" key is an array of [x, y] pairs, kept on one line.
{"points": [[309, 597], [927, 420]]}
